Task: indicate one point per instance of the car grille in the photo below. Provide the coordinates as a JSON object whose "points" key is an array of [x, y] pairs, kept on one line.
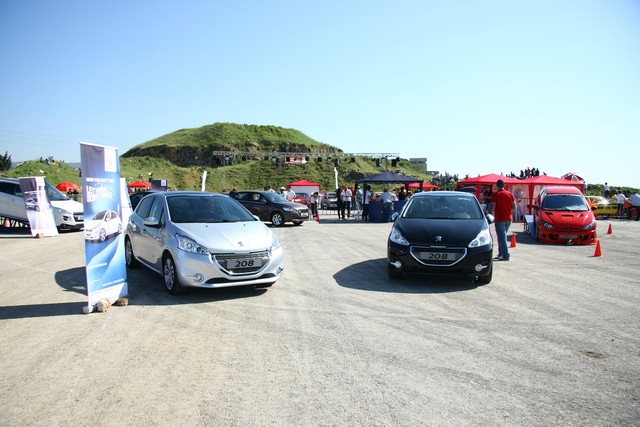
{"points": [[78, 217], [239, 264], [438, 257]]}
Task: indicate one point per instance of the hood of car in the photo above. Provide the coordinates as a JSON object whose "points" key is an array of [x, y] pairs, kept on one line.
{"points": [[229, 236], [440, 232], [67, 205], [568, 219]]}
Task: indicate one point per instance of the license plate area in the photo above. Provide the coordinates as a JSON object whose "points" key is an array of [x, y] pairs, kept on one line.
{"points": [[235, 264], [438, 256]]}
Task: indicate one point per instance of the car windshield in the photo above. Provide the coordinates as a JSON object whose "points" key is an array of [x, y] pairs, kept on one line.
{"points": [[275, 197], [565, 202], [55, 194], [206, 209], [450, 207]]}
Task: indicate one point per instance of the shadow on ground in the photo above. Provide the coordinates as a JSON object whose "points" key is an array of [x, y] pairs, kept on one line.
{"points": [[371, 275]]}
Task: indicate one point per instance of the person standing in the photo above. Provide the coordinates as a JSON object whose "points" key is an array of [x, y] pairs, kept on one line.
{"points": [[346, 201], [366, 197], [504, 203], [635, 204], [289, 194], [607, 191], [387, 205], [621, 198], [339, 207], [314, 204]]}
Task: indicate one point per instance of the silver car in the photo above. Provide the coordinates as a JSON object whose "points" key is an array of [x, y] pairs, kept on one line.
{"points": [[200, 239]]}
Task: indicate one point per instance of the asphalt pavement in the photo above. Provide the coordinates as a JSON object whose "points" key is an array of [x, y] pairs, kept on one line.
{"points": [[554, 339]]}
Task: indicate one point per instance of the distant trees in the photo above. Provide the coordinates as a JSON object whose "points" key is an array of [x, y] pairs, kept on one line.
{"points": [[5, 161]]}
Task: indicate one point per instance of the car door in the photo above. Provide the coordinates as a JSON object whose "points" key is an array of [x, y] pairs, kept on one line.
{"points": [[151, 239]]}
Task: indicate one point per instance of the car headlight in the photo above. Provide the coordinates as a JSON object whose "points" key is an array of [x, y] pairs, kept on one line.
{"points": [[275, 242], [189, 245], [397, 237], [547, 225], [589, 226], [61, 211], [288, 209], [483, 238]]}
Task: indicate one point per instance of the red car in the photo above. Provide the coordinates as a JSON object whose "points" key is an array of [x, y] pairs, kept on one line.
{"points": [[563, 215]]}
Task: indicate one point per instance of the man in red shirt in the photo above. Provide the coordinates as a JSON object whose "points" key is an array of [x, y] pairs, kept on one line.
{"points": [[504, 203]]}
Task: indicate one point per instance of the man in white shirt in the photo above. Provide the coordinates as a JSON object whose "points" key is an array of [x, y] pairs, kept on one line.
{"points": [[346, 201], [621, 198], [387, 205], [289, 194]]}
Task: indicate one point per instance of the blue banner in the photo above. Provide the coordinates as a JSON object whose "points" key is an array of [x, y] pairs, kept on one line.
{"points": [[103, 225]]}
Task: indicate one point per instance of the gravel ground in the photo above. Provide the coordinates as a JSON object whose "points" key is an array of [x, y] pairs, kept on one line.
{"points": [[554, 339]]}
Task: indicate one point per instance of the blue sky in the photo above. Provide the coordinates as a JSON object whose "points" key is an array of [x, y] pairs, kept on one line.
{"points": [[476, 87]]}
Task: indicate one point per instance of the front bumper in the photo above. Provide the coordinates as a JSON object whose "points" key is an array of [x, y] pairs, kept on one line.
{"points": [[74, 221], [206, 271], [469, 263], [566, 237]]}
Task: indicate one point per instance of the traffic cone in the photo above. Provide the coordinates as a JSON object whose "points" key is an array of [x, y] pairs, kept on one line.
{"points": [[6, 223], [598, 251], [318, 217], [610, 230], [513, 240]]}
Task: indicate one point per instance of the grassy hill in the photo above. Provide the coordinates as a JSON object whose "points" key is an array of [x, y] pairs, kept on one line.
{"points": [[181, 157]]}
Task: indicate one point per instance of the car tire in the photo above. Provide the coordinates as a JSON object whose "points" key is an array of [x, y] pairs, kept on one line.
{"points": [[129, 257], [394, 273], [277, 219], [170, 276], [486, 279]]}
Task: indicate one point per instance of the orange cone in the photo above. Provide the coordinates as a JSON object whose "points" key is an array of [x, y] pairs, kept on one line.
{"points": [[610, 230], [318, 217], [513, 240], [598, 251], [6, 223]]}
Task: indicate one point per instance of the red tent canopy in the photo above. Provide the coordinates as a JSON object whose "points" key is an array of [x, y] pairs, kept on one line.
{"points": [[67, 186], [474, 185], [305, 183], [545, 180], [139, 184], [425, 186]]}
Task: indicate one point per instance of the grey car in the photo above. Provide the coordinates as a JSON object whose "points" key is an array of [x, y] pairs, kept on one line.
{"points": [[201, 239], [270, 206]]}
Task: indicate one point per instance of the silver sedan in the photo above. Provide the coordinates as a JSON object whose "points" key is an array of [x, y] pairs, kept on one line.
{"points": [[200, 239]]}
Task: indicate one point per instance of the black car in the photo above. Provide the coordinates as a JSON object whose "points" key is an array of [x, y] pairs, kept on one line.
{"points": [[271, 206], [441, 233]]}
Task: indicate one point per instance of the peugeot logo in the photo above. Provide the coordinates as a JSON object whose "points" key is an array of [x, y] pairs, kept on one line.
{"points": [[438, 238]]}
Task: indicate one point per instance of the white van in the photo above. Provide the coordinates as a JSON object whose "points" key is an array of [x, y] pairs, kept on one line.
{"points": [[68, 214]]}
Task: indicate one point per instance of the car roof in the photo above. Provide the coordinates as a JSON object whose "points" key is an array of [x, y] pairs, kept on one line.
{"points": [[562, 189], [187, 193], [444, 193]]}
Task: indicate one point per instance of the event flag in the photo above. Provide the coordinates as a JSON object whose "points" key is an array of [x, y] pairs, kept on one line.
{"points": [[103, 225], [36, 202]]}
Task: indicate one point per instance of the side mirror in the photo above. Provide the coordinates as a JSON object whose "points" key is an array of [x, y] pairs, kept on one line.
{"points": [[394, 216], [490, 218], [151, 222]]}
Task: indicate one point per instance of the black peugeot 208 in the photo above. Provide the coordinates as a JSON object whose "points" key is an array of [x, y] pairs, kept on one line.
{"points": [[441, 233]]}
